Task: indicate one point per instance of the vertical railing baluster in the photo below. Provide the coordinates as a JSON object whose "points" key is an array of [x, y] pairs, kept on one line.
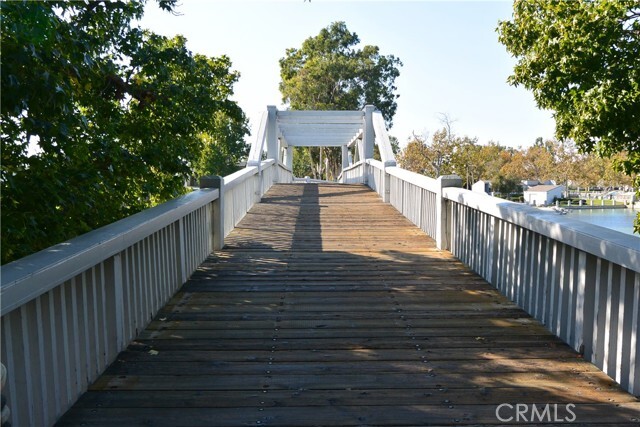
{"points": [[561, 272], [42, 358], [96, 328], [634, 341], [571, 298], [180, 249], [144, 268], [104, 314], [119, 301], [598, 306], [10, 366], [53, 334], [26, 357], [65, 343], [87, 337]]}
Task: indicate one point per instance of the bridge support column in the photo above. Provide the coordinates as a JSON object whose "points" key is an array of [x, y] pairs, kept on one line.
{"points": [[288, 157], [272, 135], [217, 226], [345, 157], [443, 216], [359, 151], [368, 138], [386, 193]]}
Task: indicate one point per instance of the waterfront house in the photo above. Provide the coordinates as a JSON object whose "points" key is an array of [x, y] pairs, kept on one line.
{"points": [[543, 195], [482, 187]]}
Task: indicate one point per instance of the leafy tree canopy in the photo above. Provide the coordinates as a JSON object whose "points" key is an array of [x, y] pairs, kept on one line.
{"points": [[417, 157], [101, 119], [581, 59], [330, 72]]}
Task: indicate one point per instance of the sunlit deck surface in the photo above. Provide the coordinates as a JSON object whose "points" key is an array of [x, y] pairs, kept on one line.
{"points": [[328, 308]]}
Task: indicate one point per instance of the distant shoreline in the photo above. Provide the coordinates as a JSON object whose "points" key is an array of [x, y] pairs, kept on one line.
{"points": [[572, 207]]}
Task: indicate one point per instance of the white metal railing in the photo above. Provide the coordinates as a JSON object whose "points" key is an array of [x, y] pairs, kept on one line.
{"points": [[354, 174], [377, 179], [246, 187], [409, 193], [582, 281], [285, 174], [370, 172], [69, 310]]}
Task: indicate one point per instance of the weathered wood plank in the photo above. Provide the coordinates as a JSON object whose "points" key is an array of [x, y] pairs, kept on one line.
{"points": [[151, 365], [478, 334], [378, 397], [558, 354], [342, 323], [558, 382], [428, 345], [337, 415]]}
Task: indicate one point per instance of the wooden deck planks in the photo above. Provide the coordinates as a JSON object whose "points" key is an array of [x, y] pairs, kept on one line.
{"points": [[329, 308]]}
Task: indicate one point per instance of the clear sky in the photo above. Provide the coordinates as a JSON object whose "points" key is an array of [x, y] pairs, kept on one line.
{"points": [[453, 62]]}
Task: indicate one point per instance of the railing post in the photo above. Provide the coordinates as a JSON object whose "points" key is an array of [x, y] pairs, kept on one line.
{"points": [[443, 219], [6, 412], [118, 288], [217, 237], [272, 135], [365, 173], [359, 152], [181, 252], [289, 157], [386, 191], [345, 157], [368, 137]]}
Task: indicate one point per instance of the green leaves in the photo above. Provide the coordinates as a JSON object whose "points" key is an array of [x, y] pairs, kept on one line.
{"points": [[101, 119], [329, 73]]}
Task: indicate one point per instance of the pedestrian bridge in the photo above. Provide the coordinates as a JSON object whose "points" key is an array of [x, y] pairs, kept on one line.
{"points": [[389, 298]]}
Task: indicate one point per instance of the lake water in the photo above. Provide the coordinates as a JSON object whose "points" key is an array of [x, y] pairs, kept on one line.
{"points": [[616, 219]]}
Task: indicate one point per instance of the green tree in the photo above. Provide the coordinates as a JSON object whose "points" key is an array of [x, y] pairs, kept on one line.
{"points": [[613, 176], [539, 163], [504, 185], [434, 158], [224, 148], [581, 59], [565, 162], [329, 72], [302, 163], [491, 158], [441, 151], [514, 167], [100, 119], [466, 161], [415, 157]]}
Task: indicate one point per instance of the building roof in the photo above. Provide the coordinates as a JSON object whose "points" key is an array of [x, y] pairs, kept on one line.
{"points": [[542, 188]]}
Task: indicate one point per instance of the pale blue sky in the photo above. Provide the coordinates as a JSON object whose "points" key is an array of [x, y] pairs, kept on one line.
{"points": [[453, 62]]}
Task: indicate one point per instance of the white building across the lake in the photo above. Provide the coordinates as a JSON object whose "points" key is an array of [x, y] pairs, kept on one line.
{"points": [[543, 195]]}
